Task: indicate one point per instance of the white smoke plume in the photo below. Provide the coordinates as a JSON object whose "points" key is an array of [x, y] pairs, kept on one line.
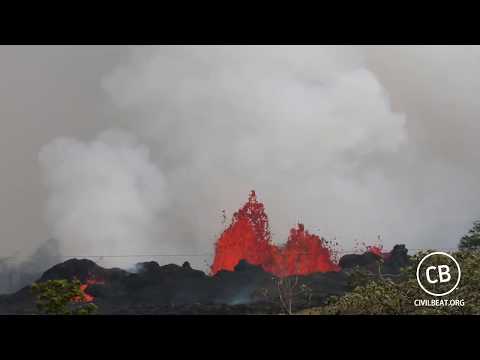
{"points": [[297, 124], [336, 137], [106, 196]]}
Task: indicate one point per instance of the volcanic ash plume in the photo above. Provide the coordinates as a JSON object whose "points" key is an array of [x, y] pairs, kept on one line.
{"points": [[106, 196]]}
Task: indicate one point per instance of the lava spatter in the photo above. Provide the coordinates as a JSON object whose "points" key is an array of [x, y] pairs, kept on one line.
{"points": [[248, 238]]}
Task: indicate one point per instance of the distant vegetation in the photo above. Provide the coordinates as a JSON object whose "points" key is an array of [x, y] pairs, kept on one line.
{"points": [[471, 241], [372, 295]]}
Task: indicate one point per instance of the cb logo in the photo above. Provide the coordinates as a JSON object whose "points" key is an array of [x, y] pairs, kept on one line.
{"points": [[438, 274]]}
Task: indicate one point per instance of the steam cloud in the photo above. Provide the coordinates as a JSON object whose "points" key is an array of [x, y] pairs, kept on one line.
{"points": [[106, 195], [310, 128]]}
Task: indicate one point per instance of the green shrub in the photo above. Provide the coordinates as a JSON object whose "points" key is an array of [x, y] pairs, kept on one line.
{"points": [[61, 297]]}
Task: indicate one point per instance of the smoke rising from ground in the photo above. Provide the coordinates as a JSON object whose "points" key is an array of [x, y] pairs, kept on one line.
{"points": [[355, 142], [16, 273], [106, 196], [295, 123]]}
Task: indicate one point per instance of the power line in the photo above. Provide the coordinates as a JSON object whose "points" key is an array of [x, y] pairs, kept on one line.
{"points": [[137, 255], [332, 251]]}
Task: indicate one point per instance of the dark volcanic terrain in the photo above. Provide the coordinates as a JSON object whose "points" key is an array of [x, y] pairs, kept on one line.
{"points": [[173, 289]]}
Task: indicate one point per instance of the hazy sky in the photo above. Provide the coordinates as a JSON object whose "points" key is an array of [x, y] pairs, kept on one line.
{"points": [[45, 92], [354, 141]]}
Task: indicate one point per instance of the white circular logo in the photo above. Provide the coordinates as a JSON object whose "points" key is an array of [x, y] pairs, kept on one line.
{"points": [[443, 272]]}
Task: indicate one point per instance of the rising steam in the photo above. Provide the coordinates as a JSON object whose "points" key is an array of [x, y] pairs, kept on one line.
{"points": [[297, 124], [311, 129], [106, 196]]}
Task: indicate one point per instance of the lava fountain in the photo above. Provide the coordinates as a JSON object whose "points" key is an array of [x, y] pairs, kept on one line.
{"points": [[248, 238]]}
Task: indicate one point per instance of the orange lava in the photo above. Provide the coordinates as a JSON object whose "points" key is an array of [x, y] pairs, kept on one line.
{"points": [[378, 250], [85, 296], [248, 238]]}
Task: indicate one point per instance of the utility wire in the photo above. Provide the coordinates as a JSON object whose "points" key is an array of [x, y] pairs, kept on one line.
{"points": [[353, 251]]}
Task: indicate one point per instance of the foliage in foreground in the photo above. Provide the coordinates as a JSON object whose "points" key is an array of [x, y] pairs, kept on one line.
{"points": [[392, 296], [471, 241], [61, 297]]}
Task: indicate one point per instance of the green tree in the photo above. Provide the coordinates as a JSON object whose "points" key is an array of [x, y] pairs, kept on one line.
{"points": [[388, 296], [61, 297], [471, 241]]}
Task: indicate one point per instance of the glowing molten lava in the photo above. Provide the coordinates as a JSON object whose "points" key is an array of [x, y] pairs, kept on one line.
{"points": [[85, 296], [378, 250], [248, 238]]}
